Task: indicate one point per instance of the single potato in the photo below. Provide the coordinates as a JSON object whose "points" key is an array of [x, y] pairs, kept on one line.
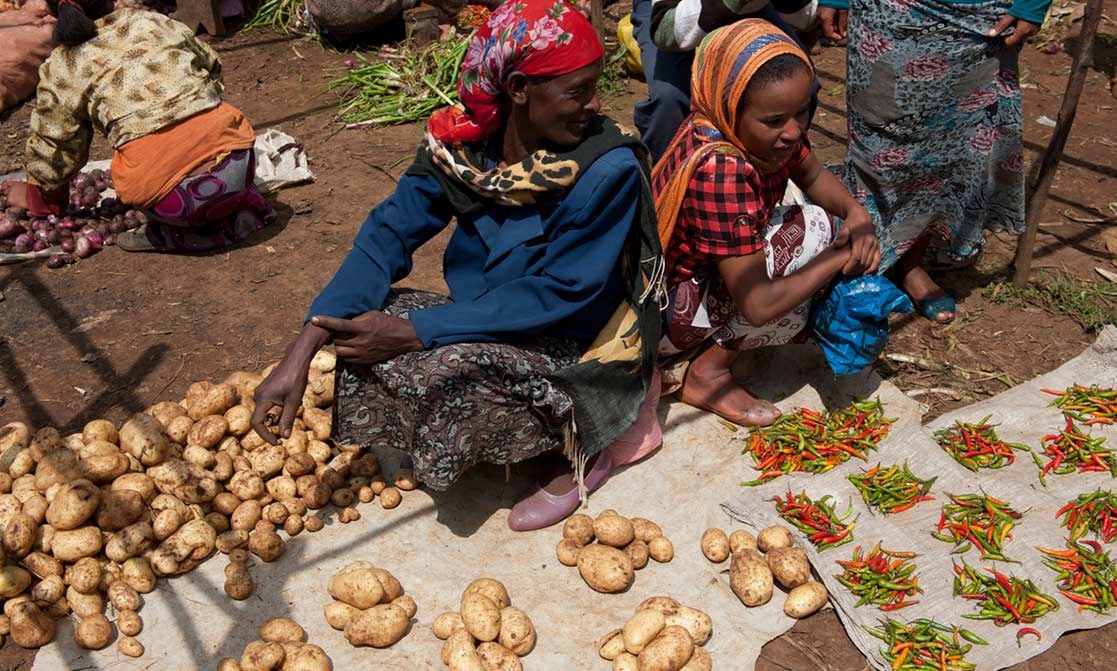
{"points": [[806, 599], [715, 545], [774, 538], [605, 569]]}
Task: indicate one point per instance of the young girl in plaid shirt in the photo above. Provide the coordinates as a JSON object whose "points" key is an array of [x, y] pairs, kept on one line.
{"points": [[741, 268]]}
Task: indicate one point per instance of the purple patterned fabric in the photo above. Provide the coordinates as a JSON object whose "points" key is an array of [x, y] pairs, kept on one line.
{"points": [[212, 210]]}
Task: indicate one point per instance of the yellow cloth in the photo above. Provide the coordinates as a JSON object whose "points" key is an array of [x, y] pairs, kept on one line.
{"points": [[145, 170]]}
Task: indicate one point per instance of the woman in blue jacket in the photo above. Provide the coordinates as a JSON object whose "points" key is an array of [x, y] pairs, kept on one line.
{"points": [[546, 341]]}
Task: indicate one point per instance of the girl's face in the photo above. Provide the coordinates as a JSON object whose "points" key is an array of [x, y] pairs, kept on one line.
{"points": [[773, 118]]}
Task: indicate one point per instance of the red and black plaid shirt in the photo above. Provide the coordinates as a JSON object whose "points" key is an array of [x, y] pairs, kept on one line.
{"points": [[725, 210]]}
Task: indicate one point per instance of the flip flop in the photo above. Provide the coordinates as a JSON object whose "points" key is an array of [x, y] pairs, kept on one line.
{"points": [[931, 308]]}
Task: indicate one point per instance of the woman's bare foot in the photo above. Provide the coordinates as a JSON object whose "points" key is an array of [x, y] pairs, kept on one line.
{"points": [[709, 385]]}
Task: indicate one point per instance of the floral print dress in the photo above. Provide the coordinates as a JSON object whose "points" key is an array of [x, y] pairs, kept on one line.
{"points": [[935, 136]]}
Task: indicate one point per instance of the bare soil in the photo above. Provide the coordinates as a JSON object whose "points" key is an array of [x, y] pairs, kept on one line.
{"points": [[115, 333]]}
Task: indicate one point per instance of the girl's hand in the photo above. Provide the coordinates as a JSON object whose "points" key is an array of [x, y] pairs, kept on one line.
{"points": [[858, 232], [834, 22], [370, 338], [1022, 29]]}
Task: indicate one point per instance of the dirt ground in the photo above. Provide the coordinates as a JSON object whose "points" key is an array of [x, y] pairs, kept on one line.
{"points": [[118, 332]]}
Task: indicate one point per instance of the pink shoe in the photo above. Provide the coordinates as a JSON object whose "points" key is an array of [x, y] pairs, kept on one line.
{"points": [[540, 509]]}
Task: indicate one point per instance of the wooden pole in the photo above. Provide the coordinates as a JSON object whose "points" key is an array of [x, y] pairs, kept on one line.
{"points": [[597, 18], [1049, 162]]}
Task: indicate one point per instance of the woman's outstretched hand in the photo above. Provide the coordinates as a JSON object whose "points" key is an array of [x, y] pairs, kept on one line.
{"points": [[1022, 29], [834, 22], [278, 397], [370, 338], [858, 232]]}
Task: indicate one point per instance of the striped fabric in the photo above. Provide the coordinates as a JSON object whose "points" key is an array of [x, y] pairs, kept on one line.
{"points": [[681, 25]]}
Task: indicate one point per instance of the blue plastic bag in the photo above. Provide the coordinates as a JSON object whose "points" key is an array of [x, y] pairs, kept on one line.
{"points": [[850, 323]]}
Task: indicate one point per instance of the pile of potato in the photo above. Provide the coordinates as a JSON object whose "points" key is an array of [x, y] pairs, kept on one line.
{"points": [[370, 606], [623, 547], [488, 634], [282, 646], [662, 635], [107, 511], [752, 575]]}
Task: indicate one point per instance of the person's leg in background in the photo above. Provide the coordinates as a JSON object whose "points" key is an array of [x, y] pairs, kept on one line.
{"points": [[668, 76]]}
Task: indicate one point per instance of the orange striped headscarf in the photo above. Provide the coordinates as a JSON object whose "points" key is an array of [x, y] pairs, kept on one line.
{"points": [[724, 64]]}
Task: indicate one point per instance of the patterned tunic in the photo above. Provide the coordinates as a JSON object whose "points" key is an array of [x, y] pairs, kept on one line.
{"points": [[140, 74]]}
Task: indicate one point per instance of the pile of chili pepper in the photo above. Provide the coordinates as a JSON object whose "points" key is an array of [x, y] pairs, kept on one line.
{"points": [[882, 578], [1071, 450], [817, 519], [925, 644], [1090, 405], [893, 489], [814, 442], [1003, 599], [977, 445], [1086, 575], [1094, 513], [977, 519]]}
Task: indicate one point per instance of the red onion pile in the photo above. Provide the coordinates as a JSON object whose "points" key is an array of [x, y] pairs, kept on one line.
{"points": [[89, 223]]}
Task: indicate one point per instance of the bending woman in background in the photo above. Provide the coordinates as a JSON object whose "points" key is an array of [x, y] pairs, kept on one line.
{"points": [[936, 141], [555, 233], [741, 269], [181, 154]]}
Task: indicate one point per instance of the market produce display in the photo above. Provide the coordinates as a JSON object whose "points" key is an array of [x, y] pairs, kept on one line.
{"points": [[818, 520], [813, 442], [1094, 513], [369, 606], [925, 644], [623, 547], [977, 519], [89, 223], [758, 564], [1085, 574], [882, 578], [976, 445], [1089, 405], [106, 512], [488, 632], [1071, 450], [406, 86], [893, 489], [282, 645], [1004, 599], [661, 635]]}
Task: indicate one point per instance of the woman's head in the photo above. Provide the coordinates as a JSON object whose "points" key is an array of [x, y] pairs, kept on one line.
{"points": [[556, 109], [773, 110], [751, 82], [541, 57], [75, 19]]}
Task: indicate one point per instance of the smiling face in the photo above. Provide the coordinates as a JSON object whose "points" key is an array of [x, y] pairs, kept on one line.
{"points": [[557, 110], [773, 115]]}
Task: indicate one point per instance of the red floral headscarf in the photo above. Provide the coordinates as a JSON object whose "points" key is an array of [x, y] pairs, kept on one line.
{"points": [[540, 38]]}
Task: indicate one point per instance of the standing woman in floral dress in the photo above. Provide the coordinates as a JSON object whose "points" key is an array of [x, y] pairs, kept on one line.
{"points": [[935, 134]]}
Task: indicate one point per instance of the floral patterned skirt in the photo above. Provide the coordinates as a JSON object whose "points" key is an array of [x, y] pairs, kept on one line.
{"points": [[457, 405], [934, 123], [700, 309]]}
